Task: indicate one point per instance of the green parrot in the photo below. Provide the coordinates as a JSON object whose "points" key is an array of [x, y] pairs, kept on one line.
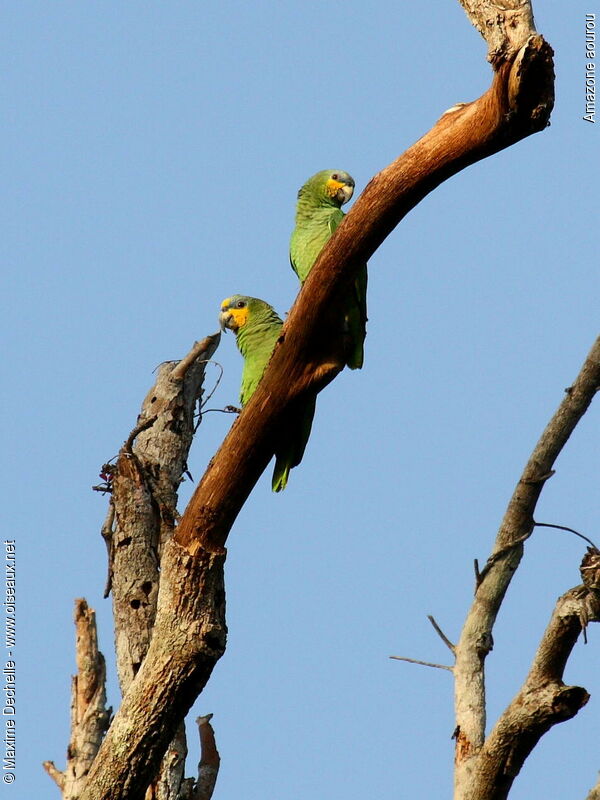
{"points": [[318, 214], [257, 329]]}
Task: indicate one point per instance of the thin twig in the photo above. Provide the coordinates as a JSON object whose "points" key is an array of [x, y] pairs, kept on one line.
{"points": [[423, 663], [478, 576], [107, 532], [127, 447], [564, 528], [226, 410], [441, 634], [218, 381], [179, 370]]}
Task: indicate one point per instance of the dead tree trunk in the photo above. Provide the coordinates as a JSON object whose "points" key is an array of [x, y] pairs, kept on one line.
{"points": [[143, 487]]}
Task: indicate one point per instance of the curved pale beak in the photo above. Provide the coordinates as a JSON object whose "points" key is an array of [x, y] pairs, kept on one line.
{"points": [[224, 319], [345, 192]]}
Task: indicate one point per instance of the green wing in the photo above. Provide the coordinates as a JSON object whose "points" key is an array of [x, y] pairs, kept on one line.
{"points": [[355, 305], [310, 236], [307, 241], [336, 216], [355, 308], [254, 366]]}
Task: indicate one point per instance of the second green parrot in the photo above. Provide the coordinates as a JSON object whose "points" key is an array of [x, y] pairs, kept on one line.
{"points": [[318, 214], [257, 329]]}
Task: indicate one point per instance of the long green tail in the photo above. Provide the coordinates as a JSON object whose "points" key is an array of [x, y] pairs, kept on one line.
{"points": [[280, 476], [294, 437]]}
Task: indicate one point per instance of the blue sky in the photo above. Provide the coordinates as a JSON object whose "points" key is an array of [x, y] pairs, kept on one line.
{"points": [[152, 154]]}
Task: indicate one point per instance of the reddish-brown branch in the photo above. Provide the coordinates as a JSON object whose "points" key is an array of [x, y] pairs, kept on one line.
{"points": [[460, 138]]}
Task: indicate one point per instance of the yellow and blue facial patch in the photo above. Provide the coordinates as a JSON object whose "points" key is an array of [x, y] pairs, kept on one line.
{"points": [[235, 317], [333, 186]]}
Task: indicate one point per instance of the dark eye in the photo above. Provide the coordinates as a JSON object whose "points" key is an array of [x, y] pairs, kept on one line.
{"points": [[335, 176], [240, 304]]}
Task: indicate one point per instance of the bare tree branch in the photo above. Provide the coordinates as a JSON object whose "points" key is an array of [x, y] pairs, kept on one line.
{"points": [[441, 634], [208, 768], [542, 702], [423, 663], [89, 715], [476, 637], [565, 528]]}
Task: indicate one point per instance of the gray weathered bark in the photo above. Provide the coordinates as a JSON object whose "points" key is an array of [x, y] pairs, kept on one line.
{"points": [[142, 512], [594, 793], [145, 484], [89, 715], [474, 777], [543, 700], [189, 638], [505, 25]]}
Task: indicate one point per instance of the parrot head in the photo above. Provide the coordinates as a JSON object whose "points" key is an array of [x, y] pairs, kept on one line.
{"points": [[238, 309], [234, 312], [331, 185]]}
